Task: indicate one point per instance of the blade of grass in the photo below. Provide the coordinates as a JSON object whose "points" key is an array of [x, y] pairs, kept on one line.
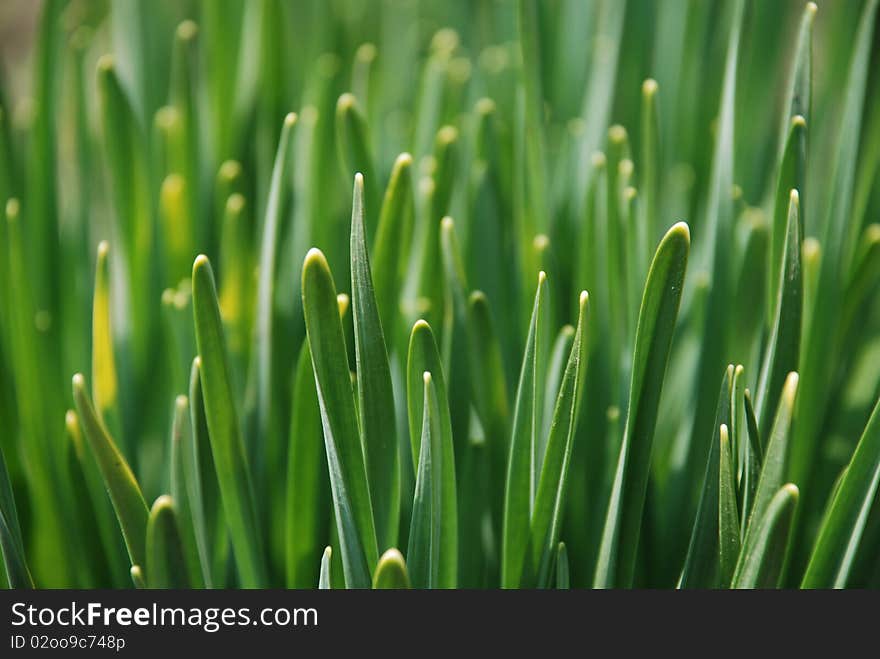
{"points": [[345, 457], [563, 577], [391, 247], [181, 440], [355, 153], [224, 431], [701, 563], [378, 430], [423, 357], [11, 544], [520, 486], [104, 379], [844, 524], [308, 490], [423, 550], [324, 575], [125, 493], [546, 520], [657, 316], [728, 516], [391, 572], [783, 347], [761, 561], [166, 561]]}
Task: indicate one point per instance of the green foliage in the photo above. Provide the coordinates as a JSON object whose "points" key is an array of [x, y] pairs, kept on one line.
{"points": [[379, 397]]}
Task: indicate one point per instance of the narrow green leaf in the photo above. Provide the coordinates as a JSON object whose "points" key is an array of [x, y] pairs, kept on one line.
{"points": [[166, 562], [263, 347], [563, 579], [423, 357], [324, 575], [423, 550], [728, 516], [775, 458], [754, 459], [649, 160], [104, 379], [345, 456], [657, 316], [761, 561], [520, 488], [701, 563], [11, 545], [355, 153], [202, 486], [391, 247], [555, 372], [308, 490], [125, 493], [546, 521], [137, 577], [792, 176], [224, 431], [181, 443], [783, 347], [391, 572], [844, 524], [378, 429]]}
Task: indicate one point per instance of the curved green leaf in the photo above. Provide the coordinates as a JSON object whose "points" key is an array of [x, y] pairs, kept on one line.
{"points": [[308, 490], [166, 562], [224, 431], [345, 457], [423, 357], [423, 550], [546, 521], [355, 153], [761, 561], [378, 428], [324, 575], [125, 493], [845, 522], [728, 516], [520, 488], [563, 579], [11, 545], [701, 563], [391, 572], [657, 316]]}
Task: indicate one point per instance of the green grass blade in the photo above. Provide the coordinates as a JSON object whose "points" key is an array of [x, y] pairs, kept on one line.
{"points": [[345, 457], [105, 383], [783, 347], [204, 491], [308, 490], [546, 520], [423, 550], [391, 247], [657, 317], [355, 153], [423, 357], [224, 431], [166, 561], [375, 395], [181, 443], [775, 458], [11, 544], [520, 487], [845, 522], [391, 572], [563, 577], [728, 516], [324, 575], [754, 459], [701, 564], [125, 493], [761, 561], [263, 339], [792, 176], [137, 577]]}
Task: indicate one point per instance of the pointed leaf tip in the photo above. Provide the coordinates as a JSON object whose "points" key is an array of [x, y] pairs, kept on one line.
{"points": [[290, 119], [650, 87]]}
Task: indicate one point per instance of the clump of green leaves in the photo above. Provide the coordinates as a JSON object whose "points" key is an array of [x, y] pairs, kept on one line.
{"points": [[414, 307]]}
